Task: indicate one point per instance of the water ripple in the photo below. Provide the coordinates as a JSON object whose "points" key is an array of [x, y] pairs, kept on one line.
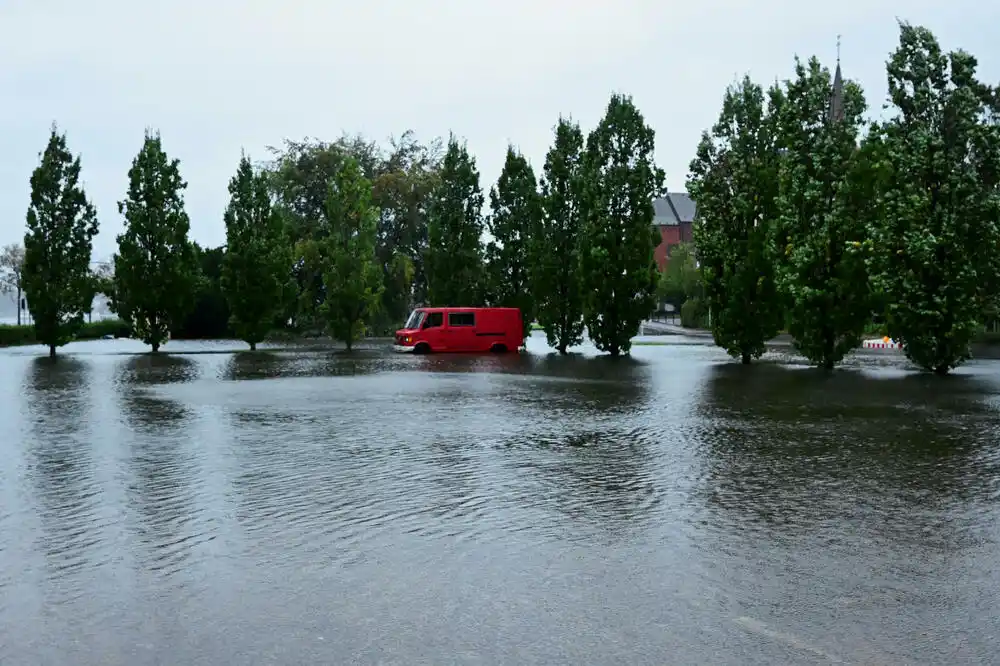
{"points": [[316, 507]]}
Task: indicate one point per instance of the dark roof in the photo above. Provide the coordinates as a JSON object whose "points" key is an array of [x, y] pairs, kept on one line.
{"points": [[836, 113], [673, 209]]}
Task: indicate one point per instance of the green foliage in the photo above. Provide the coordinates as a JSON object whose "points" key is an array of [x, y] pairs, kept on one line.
{"points": [[693, 313], [454, 255], [408, 177], [351, 277], [515, 213], [618, 270], [555, 247], [208, 318], [819, 230], [734, 182], [61, 224], [681, 278], [25, 335], [156, 270], [934, 243], [257, 264], [404, 176]]}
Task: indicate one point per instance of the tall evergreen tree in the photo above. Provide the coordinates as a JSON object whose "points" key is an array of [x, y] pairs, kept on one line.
{"points": [[555, 249], [62, 224], [936, 242], [156, 271], [454, 254], [351, 275], [618, 270], [734, 182], [818, 232], [513, 222], [256, 268]]}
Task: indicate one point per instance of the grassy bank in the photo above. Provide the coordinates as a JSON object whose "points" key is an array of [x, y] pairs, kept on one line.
{"points": [[11, 336]]}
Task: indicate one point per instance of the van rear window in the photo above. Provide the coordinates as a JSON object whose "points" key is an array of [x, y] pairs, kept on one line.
{"points": [[461, 319]]}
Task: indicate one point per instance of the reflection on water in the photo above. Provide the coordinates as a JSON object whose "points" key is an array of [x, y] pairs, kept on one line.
{"points": [[60, 466], [803, 450], [317, 507], [162, 461]]}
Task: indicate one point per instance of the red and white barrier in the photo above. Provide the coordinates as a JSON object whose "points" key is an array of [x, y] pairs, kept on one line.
{"points": [[883, 343]]}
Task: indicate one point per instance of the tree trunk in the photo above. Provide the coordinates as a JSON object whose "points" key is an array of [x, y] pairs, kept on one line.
{"points": [[19, 305], [253, 346], [746, 358], [52, 351], [348, 345], [156, 347]]}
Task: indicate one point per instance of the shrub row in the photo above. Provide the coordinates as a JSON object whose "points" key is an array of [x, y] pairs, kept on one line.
{"points": [[25, 335]]}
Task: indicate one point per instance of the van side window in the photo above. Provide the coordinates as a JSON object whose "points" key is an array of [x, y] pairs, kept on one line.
{"points": [[461, 319], [434, 320]]}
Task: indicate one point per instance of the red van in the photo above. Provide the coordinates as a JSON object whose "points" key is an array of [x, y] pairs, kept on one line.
{"points": [[461, 330]]}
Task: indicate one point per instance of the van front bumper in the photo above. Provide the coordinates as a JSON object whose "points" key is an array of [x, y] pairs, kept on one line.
{"points": [[403, 349]]}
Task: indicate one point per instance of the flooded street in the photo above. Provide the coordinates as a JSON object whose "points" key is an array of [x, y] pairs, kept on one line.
{"points": [[673, 508]]}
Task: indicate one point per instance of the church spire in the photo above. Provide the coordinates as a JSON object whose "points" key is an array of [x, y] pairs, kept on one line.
{"points": [[836, 113]]}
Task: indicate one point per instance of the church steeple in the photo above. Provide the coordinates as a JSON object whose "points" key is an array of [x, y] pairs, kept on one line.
{"points": [[836, 113]]}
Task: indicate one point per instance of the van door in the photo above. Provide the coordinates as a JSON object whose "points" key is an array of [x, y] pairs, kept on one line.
{"points": [[461, 331], [432, 330]]}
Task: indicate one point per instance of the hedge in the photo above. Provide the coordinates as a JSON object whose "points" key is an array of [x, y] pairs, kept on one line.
{"points": [[25, 335]]}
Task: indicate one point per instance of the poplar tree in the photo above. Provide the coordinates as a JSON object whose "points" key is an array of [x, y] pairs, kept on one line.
{"points": [[156, 271], [734, 182], [513, 222], [618, 270], [352, 277], [818, 231], [555, 248], [935, 244], [454, 253], [61, 224], [256, 268]]}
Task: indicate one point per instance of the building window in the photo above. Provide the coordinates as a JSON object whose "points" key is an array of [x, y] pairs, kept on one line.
{"points": [[461, 319]]}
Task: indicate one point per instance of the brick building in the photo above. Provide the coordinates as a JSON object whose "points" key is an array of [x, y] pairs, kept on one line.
{"points": [[674, 217]]}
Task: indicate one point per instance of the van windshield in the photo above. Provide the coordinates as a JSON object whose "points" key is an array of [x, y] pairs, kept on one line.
{"points": [[414, 321]]}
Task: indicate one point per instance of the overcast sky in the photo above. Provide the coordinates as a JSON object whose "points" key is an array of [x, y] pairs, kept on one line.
{"points": [[220, 75]]}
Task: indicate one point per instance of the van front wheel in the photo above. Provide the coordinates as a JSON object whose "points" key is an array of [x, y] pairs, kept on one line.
{"points": [[422, 348], [499, 349]]}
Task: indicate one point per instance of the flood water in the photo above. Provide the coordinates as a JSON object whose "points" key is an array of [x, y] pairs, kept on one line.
{"points": [[673, 508]]}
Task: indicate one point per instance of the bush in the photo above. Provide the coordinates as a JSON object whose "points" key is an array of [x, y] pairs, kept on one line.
{"points": [[25, 335], [693, 314], [98, 329], [16, 335]]}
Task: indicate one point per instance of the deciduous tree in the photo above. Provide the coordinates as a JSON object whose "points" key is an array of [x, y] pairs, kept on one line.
{"points": [[156, 270], [515, 211], [618, 270], [555, 247], [454, 255], [681, 279], [818, 231], [935, 246], [62, 224], [351, 275], [734, 182], [256, 267]]}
